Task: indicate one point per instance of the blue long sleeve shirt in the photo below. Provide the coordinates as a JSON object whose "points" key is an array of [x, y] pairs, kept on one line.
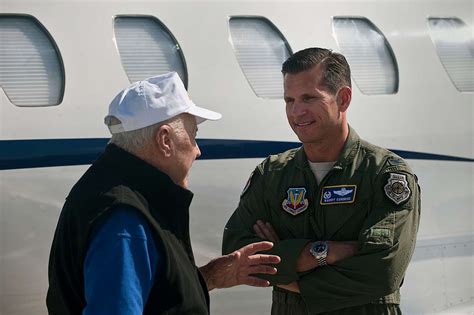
{"points": [[120, 265]]}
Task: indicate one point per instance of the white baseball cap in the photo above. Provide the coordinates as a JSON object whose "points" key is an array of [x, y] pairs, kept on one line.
{"points": [[156, 99]]}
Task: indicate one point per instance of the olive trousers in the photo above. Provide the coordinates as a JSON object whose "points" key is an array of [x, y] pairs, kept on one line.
{"points": [[289, 303]]}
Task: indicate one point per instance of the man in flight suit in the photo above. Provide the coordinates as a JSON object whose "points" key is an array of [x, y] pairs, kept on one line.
{"points": [[343, 213]]}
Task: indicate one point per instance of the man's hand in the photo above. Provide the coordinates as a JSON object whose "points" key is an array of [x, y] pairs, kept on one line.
{"points": [[237, 267], [293, 287], [265, 231]]}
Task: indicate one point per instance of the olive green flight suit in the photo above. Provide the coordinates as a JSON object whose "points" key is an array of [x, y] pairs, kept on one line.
{"points": [[370, 195]]}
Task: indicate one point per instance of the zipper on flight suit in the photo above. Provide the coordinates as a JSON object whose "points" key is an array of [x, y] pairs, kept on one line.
{"points": [[313, 220], [318, 207]]}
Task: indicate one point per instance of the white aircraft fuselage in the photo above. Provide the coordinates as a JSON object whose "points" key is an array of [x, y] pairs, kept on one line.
{"points": [[428, 121]]}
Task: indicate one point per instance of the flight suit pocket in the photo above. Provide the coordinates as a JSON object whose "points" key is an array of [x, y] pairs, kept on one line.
{"points": [[381, 234]]}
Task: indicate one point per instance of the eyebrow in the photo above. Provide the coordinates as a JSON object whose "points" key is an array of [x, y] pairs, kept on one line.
{"points": [[289, 98], [310, 95]]}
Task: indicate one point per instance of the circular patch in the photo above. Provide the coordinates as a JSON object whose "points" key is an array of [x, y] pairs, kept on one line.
{"points": [[397, 188]]}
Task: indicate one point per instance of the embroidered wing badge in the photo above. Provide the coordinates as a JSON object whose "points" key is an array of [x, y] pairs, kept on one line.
{"points": [[332, 195], [397, 188], [295, 203]]}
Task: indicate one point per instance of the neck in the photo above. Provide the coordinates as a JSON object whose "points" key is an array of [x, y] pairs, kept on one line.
{"points": [[163, 163], [328, 149], [151, 157]]}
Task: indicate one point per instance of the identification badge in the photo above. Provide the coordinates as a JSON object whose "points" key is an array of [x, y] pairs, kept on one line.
{"points": [[397, 188], [332, 195], [295, 203]]}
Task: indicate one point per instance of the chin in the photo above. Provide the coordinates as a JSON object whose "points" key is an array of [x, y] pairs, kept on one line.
{"points": [[310, 139], [185, 183], [305, 133], [306, 137]]}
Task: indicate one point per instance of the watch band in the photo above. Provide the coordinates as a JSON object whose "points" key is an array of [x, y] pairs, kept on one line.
{"points": [[319, 250], [322, 261]]}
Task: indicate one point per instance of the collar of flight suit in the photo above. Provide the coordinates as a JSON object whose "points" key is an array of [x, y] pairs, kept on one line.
{"points": [[349, 151]]}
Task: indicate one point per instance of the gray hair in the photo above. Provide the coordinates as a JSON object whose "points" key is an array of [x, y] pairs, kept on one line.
{"points": [[134, 140]]}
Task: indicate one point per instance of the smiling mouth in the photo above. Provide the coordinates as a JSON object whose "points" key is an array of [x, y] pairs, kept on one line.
{"points": [[304, 124]]}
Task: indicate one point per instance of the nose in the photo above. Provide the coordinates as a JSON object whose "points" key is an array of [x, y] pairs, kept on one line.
{"points": [[298, 109]]}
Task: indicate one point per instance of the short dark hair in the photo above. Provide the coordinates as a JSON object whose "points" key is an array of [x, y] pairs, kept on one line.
{"points": [[337, 72]]}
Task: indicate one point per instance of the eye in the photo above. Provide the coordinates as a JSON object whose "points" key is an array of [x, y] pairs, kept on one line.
{"points": [[308, 98]]}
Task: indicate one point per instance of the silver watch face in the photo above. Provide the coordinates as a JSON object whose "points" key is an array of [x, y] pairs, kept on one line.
{"points": [[319, 249]]}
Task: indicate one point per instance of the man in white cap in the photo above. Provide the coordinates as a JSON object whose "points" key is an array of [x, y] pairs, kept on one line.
{"points": [[122, 243]]}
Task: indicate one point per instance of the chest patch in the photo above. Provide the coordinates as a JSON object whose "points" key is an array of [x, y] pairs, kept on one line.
{"points": [[295, 203], [338, 194]]}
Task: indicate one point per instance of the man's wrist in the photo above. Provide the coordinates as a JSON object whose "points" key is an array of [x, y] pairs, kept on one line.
{"points": [[206, 272], [305, 261], [319, 251]]}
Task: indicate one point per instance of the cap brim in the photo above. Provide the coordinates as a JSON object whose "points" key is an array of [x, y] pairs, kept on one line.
{"points": [[203, 114]]}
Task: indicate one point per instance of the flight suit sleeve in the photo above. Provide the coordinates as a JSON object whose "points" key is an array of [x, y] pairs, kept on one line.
{"points": [[386, 244], [239, 230]]}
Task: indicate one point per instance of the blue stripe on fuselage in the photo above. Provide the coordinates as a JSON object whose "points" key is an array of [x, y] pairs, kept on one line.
{"points": [[16, 154]]}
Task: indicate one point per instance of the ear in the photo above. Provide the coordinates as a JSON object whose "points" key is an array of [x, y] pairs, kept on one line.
{"points": [[344, 97], [163, 140]]}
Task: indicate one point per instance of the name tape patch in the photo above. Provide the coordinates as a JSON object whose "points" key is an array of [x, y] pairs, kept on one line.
{"points": [[338, 194]]}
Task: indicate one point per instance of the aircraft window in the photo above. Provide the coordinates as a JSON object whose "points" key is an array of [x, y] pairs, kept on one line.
{"points": [[147, 48], [373, 64], [31, 68], [260, 49], [455, 46]]}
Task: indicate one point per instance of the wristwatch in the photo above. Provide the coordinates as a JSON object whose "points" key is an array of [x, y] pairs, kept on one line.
{"points": [[319, 250]]}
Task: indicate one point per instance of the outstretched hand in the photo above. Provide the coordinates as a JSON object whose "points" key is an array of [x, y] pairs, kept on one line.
{"points": [[239, 266]]}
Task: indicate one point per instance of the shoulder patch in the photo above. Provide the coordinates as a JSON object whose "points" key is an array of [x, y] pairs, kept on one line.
{"points": [[395, 164], [397, 188], [395, 161]]}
